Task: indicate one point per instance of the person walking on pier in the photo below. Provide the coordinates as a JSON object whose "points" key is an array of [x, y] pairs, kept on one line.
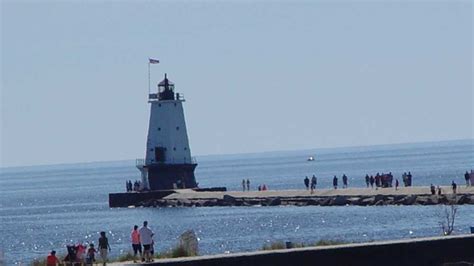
{"points": [[334, 182], [146, 238], [314, 181], [344, 181], [243, 184], [454, 186], [306, 182], [248, 184], [467, 177], [367, 180]]}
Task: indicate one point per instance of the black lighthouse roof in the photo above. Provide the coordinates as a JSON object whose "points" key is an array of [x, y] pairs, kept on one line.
{"points": [[166, 89]]}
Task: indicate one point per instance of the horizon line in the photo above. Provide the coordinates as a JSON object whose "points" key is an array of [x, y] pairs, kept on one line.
{"points": [[247, 153]]}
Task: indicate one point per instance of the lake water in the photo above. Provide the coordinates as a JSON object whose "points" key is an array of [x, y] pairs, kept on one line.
{"points": [[47, 207]]}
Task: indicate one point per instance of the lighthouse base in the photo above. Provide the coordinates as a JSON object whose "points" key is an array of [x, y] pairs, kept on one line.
{"points": [[171, 176]]}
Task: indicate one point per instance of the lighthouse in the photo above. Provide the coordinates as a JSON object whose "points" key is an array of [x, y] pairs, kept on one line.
{"points": [[168, 163]]}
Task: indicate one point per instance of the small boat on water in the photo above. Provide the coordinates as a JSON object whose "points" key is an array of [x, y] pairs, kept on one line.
{"points": [[310, 159]]}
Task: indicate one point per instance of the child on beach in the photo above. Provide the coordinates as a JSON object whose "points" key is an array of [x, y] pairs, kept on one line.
{"points": [[90, 257]]}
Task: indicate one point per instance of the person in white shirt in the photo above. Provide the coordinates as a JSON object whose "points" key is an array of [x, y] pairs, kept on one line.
{"points": [[146, 238]]}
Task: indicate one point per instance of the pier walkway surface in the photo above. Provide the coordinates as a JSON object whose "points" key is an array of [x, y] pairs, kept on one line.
{"points": [[402, 191], [443, 251], [320, 197]]}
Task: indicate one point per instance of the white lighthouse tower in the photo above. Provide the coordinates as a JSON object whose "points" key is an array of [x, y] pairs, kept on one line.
{"points": [[168, 163]]}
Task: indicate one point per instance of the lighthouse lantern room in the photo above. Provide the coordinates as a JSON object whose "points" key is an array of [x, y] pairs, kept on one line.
{"points": [[168, 163]]}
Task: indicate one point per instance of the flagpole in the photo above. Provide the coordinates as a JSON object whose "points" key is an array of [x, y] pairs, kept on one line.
{"points": [[148, 76]]}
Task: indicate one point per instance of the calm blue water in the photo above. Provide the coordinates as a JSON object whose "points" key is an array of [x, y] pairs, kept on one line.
{"points": [[47, 207]]}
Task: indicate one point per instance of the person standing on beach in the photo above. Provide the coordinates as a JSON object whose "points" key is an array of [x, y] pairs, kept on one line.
{"points": [[146, 237], [136, 245], [367, 180], [104, 247], [396, 184], [334, 182], [372, 181], [243, 184], [52, 260], [248, 184]]}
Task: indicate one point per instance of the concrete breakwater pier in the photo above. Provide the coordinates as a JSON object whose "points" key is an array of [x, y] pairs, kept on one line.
{"points": [[320, 197]]}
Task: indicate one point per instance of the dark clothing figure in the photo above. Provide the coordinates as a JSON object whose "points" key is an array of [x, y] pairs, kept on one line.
{"points": [[467, 177], [372, 181], [248, 184], [454, 186], [433, 189], [306, 182], [344, 181], [243, 184], [367, 180], [439, 190], [409, 179], [334, 182], [90, 257], [314, 181], [396, 184]]}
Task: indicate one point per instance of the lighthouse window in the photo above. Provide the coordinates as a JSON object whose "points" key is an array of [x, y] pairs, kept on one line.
{"points": [[177, 128]]}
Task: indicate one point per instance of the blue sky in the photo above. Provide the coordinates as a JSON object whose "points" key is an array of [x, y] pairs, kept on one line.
{"points": [[257, 76]]}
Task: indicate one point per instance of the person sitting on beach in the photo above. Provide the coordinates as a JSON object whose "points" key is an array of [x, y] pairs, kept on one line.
{"points": [[52, 260], [454, 186], [90, 257], [433, 190], [367, 180], [334, 182], [306, 182]]}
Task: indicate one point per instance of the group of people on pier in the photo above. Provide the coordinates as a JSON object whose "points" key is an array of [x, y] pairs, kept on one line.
{"points": [[136, 186]]}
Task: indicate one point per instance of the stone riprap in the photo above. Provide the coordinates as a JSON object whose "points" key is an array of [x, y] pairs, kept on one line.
{"points": [[323, 197]]}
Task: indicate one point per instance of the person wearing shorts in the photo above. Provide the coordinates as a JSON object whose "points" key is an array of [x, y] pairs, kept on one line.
{"points": [[146, 238], [104, 247], [136, 245]]}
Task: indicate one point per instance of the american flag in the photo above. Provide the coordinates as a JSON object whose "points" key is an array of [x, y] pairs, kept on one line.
{"points": [[153, 61]]}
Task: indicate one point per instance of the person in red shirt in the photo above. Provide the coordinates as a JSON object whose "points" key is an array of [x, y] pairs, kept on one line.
{"points": [[52, 260], [136, 244]]}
